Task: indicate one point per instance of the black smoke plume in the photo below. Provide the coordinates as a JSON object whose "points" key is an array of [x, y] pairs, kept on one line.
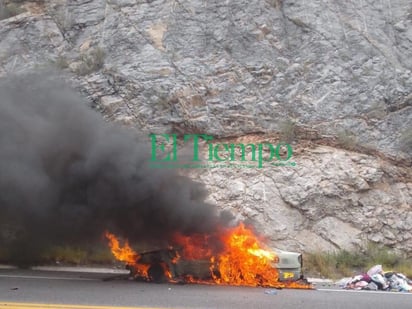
{"points": [[66, 176]]}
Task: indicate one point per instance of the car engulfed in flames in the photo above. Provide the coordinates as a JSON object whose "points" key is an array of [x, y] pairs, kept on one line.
{"points": [[241, 259]]}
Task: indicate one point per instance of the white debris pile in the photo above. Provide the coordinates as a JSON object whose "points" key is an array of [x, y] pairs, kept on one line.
{"points": [[376, 279]]}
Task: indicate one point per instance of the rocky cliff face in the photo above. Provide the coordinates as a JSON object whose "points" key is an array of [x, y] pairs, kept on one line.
{"points": [[331, 199], [333, 77]]}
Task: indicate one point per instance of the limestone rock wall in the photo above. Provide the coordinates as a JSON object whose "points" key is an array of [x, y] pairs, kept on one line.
{"points": [[335, 70]]}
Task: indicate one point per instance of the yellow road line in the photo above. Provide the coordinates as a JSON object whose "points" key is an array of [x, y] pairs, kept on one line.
{"points": [[60, 306]]}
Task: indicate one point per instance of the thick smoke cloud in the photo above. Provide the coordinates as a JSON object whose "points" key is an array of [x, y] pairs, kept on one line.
{"points": [[66, 175]]}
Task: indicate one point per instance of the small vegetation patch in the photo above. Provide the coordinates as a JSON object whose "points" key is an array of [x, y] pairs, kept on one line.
{"points": [[91, 61], [10, 9], [78, 255], [287, 130], [347, 263], [61, 62], [277, 4], [377, 111], [66, 255], [347, 140], [406, 140]]}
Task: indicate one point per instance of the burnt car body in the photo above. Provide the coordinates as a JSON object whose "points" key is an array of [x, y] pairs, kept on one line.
{"points": [[289, 265], [164, 264]]}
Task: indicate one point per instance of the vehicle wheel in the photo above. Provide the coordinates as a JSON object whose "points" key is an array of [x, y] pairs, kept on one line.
{"points": [[131, 269], [156, 273]]}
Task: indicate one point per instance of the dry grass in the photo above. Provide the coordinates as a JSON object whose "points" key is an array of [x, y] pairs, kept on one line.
{"points": [[345, 263], [67, 255], [78, 256]]}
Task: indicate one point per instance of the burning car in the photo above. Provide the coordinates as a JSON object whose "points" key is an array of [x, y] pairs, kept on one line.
{"points": [[231, 256], [166, 265]]}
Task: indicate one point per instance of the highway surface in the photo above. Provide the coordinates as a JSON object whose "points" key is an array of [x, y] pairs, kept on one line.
{"points": [[35, 289]]}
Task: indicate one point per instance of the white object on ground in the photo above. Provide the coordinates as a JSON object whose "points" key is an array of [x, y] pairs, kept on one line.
{"points": [[375, 270]]}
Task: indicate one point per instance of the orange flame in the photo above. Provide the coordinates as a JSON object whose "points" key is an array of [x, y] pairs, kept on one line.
{"points": [[193, 247], [123, 254], [242, 258], [127, 255], [244, 261]]}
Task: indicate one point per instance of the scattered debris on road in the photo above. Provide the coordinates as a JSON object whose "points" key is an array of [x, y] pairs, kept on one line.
{"points": [[271, 292], [375, 279]]}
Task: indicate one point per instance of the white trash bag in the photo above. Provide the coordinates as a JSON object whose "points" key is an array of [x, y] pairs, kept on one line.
{"points": [[377, 269]]}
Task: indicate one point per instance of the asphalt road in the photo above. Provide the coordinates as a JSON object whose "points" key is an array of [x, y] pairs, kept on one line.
{"points": [[90, 289]]}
